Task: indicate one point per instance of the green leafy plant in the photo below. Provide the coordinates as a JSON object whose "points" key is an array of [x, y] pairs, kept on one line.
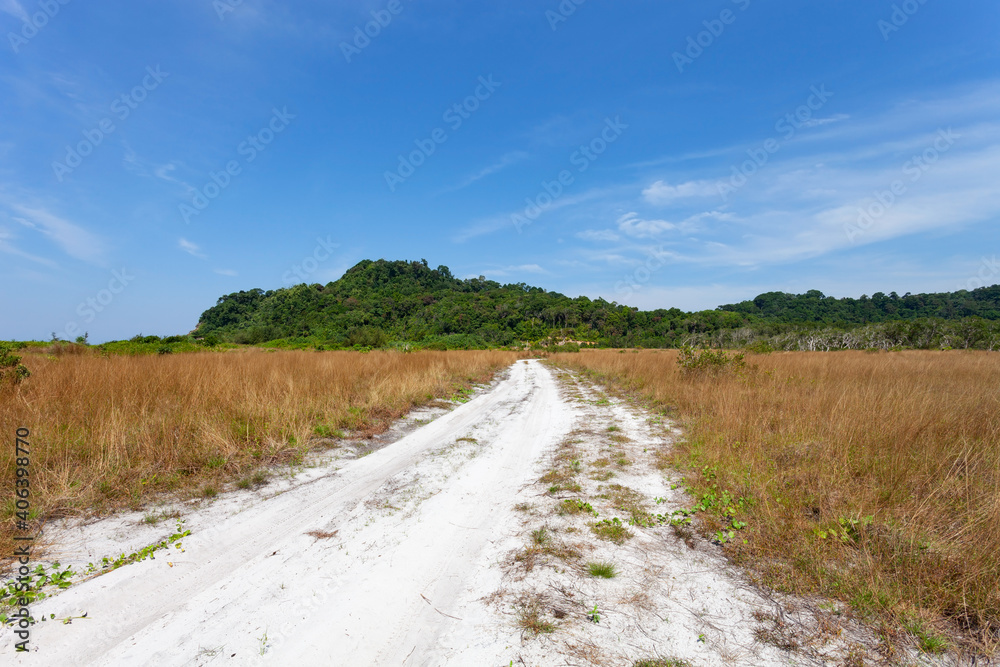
{"points": [[846, 530], [109, 564], [594, 615], [42, 581], [576, 506]]}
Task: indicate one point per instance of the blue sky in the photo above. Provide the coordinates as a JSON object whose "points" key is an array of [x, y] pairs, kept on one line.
{"points": [[659, 154]]}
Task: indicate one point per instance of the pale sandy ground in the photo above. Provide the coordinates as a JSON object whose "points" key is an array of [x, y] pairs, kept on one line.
{"points": [[414, 560]]}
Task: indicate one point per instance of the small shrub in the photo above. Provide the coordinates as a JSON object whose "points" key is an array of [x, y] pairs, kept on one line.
{"points": [[760, 347], [11, 368], [709, 362]]}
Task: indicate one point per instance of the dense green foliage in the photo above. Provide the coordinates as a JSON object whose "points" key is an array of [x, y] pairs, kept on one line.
{"points": [[11, 368], [381, 303], [814, 306], [378, 302]]}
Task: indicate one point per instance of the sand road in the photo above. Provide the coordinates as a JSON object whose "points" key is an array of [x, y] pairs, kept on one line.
{"points": [[466, 542], [411, 521]]}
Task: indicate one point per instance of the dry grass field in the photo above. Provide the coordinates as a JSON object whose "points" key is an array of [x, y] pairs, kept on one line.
{"points": [[870, 478], [109, 431]]}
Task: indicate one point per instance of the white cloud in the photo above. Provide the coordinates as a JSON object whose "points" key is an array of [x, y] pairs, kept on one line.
{"points": [[632, 225], [816, 122], [660, 192], [226, 272], [191, 248], [807, 202], [598, 235]]}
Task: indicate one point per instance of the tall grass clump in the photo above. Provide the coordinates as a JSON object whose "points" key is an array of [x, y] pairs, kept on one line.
{"points": [[107, 431], [869, 477]]}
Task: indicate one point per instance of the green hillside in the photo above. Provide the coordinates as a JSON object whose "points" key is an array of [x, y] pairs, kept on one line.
{"points": [[377, 303]]}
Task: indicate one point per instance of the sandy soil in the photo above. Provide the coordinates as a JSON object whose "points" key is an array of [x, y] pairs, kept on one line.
{"points": [[427, 551]]}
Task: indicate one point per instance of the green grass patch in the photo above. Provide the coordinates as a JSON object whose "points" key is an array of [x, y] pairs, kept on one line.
{"points": [[602, 569]]}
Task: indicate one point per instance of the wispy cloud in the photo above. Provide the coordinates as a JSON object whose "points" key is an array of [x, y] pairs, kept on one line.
{"points": [[660, 192], [7, 246], [817, 122], [165, 172], [190, 248], [495, 223], [605, 235], [516, 270], [505, 161], [632, 225], [226, 272], [798, 210], [14, 8], [73, 239], [823, 197]]}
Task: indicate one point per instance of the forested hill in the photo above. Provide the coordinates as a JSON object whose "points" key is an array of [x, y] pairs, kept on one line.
{"points": [[377, 302], [382, 300], [814, 306]]}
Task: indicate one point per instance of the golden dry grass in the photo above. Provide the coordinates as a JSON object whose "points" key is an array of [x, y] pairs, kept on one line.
{"points": [[817, 442], [107, 432]]}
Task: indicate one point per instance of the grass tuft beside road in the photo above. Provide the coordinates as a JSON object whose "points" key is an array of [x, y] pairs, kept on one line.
{"points": [[870, 478]]}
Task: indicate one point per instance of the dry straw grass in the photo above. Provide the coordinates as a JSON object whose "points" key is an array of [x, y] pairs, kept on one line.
{"points": [[818, 442], [107, 432]]}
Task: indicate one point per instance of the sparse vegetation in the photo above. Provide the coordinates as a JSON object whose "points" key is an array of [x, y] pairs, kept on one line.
{"points": [[258, 478], [627, 500], [541, 537], [612, 530], [530, 617]]}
